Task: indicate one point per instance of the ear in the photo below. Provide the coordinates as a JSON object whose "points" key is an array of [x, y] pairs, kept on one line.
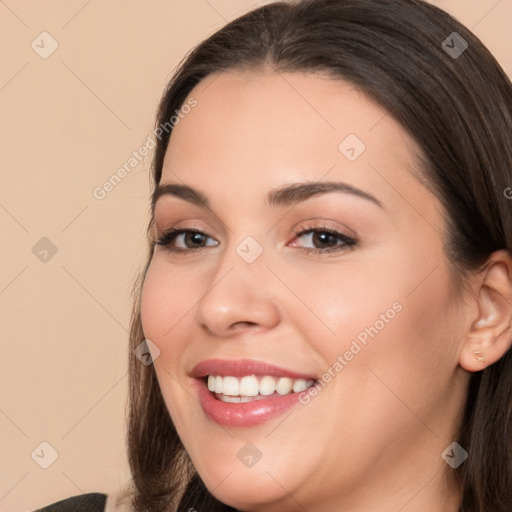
{"points": [[490, 334]]}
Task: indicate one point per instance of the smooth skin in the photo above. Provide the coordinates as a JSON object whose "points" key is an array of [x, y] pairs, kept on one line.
{"points": [[372, 438]]}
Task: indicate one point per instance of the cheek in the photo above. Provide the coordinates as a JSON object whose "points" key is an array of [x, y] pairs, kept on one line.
{"points": [[153, 302], [164, 304], [413, 354], [394, 316], [349, 302], [166, 298]]}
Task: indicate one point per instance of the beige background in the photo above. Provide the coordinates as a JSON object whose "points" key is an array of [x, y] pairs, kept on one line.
{"points": [[68, 123]]}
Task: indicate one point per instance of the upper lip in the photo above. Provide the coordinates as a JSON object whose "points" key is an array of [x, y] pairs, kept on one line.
{"points": [[242, 367]]}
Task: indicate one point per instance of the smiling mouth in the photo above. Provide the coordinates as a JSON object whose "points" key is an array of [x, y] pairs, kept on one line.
{"points": [[254, 387]]}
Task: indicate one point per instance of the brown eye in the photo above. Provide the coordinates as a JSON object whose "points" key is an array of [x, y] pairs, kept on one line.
{"points": [[193, 237], [327, 240]]}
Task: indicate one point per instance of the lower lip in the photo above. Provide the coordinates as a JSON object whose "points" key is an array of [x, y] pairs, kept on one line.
{"points": [[243, 414]]}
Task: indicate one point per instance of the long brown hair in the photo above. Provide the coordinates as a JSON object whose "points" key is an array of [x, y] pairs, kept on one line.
{"points": [[458, 108]]}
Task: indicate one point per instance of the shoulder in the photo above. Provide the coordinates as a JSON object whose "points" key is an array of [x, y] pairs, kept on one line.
{"points": [[91, 502]]}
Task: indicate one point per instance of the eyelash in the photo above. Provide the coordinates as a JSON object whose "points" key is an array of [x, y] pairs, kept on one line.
{"points": [[169, 236]]}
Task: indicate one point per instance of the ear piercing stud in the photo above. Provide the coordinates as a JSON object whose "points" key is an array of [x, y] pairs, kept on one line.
{"points": [[479, 356]]}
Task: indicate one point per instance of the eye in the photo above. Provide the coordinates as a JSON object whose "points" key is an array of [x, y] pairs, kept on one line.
{"points": [[329, 240], [194, 237]]}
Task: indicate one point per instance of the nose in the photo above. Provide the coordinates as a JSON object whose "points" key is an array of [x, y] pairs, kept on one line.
{"points": [[240, 296]]}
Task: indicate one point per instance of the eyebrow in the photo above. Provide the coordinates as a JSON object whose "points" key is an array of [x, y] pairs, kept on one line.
{"points": [[286, 195]]}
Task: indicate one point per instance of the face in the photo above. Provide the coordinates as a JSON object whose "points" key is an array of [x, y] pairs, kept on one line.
{"points": [[344, 288]]}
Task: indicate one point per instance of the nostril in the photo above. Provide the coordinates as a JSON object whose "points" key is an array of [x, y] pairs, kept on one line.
{"points": [[243, 324]]}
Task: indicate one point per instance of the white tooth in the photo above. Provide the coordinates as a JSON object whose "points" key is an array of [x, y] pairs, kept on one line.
{"points": [[249, 386], [218, 384], [231, 399], [267, 385], [230, 386], [299, 385], [284, 385], [246, 399]]}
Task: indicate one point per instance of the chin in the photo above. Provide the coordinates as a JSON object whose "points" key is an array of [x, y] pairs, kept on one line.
{"points": [[241, 487], [247, 492]]}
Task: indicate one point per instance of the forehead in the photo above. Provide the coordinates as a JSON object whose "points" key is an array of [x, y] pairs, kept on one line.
{"points": [[259, 130], [280, 109]]}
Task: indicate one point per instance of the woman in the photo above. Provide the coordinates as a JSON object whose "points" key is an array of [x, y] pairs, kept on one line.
{"points": [[327, 301]]}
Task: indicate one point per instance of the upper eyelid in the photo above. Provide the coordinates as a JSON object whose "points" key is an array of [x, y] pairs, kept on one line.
{"points": [[299, 191], [296, 231], [321, 223]]}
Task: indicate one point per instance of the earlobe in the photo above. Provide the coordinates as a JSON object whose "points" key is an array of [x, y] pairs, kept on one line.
{"points": [[474, 356], [490, 334]]}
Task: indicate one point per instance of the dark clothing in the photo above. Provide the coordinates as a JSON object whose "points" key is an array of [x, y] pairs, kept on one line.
{"points": [[92, 502]]}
